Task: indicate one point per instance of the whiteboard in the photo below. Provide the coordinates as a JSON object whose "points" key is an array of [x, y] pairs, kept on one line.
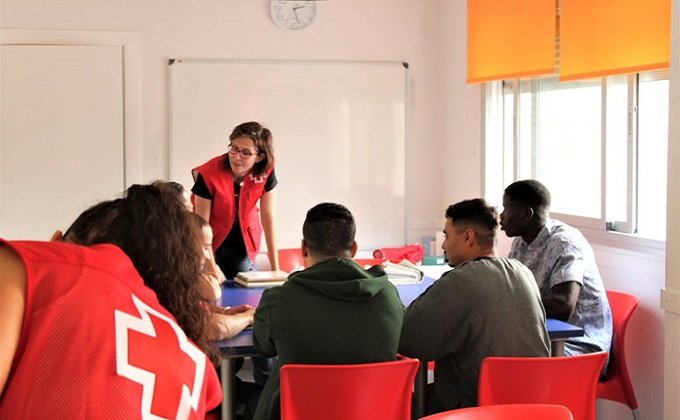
{"points": [[338, 128]]}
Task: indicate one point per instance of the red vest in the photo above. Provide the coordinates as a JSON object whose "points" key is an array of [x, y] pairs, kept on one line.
{"points": [[217, 175], [95, 343]]}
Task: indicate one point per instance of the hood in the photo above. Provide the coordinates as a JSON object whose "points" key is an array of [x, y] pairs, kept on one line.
{"points": [[342, 279]]}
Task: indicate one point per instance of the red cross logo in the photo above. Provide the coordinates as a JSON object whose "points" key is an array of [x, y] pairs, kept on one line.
{"points": [[153, 351], [257, 179]]}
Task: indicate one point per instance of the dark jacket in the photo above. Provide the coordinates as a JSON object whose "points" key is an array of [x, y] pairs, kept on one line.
{"points": [[333, 312]]}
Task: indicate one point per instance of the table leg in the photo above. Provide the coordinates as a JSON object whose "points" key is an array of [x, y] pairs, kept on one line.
{"points": [[419, 401], [557, 348], [227, 376]]}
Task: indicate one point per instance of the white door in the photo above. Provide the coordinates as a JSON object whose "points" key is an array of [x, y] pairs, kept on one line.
{"points": [[62, 135]]}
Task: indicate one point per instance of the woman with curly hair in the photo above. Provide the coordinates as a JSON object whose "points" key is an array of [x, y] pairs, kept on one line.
{"points": [[117, 327], [225, 322]]}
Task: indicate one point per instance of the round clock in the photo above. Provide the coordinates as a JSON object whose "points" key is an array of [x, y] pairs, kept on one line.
{"points": [[291, 14]]}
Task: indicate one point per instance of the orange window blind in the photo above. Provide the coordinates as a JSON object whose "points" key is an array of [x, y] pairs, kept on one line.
{"points": [[605, 37], [510, 38]]}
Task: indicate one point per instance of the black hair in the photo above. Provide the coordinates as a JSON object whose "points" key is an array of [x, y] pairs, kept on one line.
{"points": [[529, 192], [329, 230], [478, 215]]}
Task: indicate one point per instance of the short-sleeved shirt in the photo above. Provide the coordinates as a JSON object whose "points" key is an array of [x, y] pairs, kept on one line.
{"points": [[201, 189], [561, 254]]}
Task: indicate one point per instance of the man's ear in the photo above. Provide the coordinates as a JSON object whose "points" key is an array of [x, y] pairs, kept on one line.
{"points": [[303, 249], [355, 247], [529, 213], [57, 236], [469, 237]]}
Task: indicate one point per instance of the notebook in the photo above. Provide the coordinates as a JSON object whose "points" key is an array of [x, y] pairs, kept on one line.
{"points": [[261, 278], [404, 272]]}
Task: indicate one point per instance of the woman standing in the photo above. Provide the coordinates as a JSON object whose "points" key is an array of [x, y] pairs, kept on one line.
{"points": [[227, 189]]}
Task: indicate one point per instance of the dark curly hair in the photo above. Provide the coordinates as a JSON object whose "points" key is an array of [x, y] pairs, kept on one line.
{"points": [[163, 240]]}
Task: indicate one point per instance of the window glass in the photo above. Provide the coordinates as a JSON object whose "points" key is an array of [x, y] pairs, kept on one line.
{"points": [[494, 147], [652, 157], [509, 135], [568, 146], [527, 134], [554, 132]]}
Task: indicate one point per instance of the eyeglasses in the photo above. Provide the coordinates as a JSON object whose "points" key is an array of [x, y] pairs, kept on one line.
{"points": [[245, 153]]}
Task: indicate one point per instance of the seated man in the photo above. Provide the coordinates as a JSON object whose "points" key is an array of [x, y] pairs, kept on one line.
{"points": [[563, 264], [332, 312], [486, 306]]}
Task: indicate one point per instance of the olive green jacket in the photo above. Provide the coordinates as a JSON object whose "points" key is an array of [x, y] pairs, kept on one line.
{"points": [[333, 312]]}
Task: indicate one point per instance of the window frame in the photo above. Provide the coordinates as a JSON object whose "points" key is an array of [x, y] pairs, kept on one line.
{"points": [[496, 150]]}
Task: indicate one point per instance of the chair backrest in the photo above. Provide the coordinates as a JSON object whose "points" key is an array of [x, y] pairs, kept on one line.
{"points": [[376, 391], [616, 385], [570, 381], [290, 259], [506, 412]]}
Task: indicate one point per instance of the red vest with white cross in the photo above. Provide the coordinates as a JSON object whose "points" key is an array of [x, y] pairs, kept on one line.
{"points": [[95, 343]]}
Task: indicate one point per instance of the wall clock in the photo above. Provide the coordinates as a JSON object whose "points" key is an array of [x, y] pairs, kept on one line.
{"points": [[292, 15]]}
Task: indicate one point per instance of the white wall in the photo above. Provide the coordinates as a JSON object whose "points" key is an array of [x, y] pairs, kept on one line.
{"points": [[671, 298], [444, 129], [640, 272], [399, 30]]}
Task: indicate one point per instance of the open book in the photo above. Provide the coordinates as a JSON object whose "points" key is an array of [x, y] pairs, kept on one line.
{"points": [[403, 272], [261, 278]]}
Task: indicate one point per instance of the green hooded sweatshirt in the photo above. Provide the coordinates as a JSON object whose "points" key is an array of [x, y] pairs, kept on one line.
{"points": [[331, 313]]}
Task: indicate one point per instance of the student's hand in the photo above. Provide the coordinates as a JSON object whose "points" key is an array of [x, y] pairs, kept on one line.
{"points": [[223, 326], [233, 310]]}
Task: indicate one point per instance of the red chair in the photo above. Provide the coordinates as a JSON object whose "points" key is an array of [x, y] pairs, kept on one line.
{"points": [[376, 391], [570, 381], [616, 384], [506, 412], [290, 259]]}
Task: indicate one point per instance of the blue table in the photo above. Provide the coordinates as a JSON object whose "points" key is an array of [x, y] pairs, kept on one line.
{"points": [[242, 344]]}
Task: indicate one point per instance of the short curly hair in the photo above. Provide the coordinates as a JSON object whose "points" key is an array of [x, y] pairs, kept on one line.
{"points": [[530, 192]]}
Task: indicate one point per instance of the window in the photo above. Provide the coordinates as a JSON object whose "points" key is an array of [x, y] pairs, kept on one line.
{"points": [[599, 145]]}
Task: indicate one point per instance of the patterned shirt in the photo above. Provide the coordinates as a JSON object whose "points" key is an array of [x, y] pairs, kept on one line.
{"points": [[560, 254]]}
